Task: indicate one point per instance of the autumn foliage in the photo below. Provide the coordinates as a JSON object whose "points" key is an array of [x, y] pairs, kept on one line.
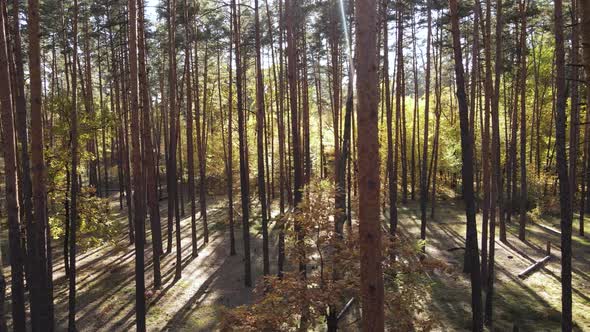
{"points": [[333, 276]]}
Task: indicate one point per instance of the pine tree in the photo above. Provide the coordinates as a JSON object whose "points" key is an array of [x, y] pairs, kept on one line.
{"points": [[12, 189], [467, 173], [368, 152], [562, 172]]}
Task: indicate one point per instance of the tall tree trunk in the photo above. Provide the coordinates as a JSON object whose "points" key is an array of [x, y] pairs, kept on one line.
{"points": [[496, 143], [189, 133], [398, 141], [173, 115], [138, 180], [74, 177], [438, 112], [230, 131], [488, 198], [574, 102], [416, 118], [125, 146], [244, 177], [149, 155], [584, 14], [562, 173], [523, 74], [25, 186], [307, 164], [291, 8], [105, 128], [40, 288], [391, 146], [472, 113], [260, 143], [467, 172], [368, 154], [12, 190], [423, 173], [201, 127], [282, 148], [89, 108], [496, 177]]}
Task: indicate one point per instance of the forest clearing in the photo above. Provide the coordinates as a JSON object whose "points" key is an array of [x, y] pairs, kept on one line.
{"points": [[294, 165]]}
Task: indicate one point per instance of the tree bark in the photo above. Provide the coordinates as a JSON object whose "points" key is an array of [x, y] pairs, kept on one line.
{"points": [[138, 180], [173, 139], [12, 190], [368, 154], [291, 8], [584, 14], [562, 172], [74, 177], [523, 74], [149, 155], [391, 146], [40, 288], [282, 148], [423, 173], [244, 177], [25, 186], [260, 143], [230, 130], [467, 172], [189, 133], [201, 127]]}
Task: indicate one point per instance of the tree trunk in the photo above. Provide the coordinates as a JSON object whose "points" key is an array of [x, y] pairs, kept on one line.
{"points": [[230, 168], [40, 288], [173, 139], [562, 172], [368, 154], [574, 101], [260, 142], [93, 173], [282, 148], [201, 127], [391, 146], [523, 74], [189, 134], [244, 177], [496, 178], [584, 14], [138, 180], [496, 143], [467, 172], [423, 173], [291, 8], [25, 187], [12, 191], [149, 156], [74, 177]]}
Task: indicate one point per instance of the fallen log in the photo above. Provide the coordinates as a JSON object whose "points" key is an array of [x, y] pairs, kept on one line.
{"points": [[549, 229], [345, 309], [534, 267], [537, 265]]}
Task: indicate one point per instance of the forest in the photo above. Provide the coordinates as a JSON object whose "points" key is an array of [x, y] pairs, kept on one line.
{"points": [[294, 165]]}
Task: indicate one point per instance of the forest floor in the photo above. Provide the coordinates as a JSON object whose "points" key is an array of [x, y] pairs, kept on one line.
{"points": [[213, 280]]}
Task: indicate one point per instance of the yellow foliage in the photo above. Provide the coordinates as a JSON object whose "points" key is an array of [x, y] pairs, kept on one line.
{"points": [[296, 302]]}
